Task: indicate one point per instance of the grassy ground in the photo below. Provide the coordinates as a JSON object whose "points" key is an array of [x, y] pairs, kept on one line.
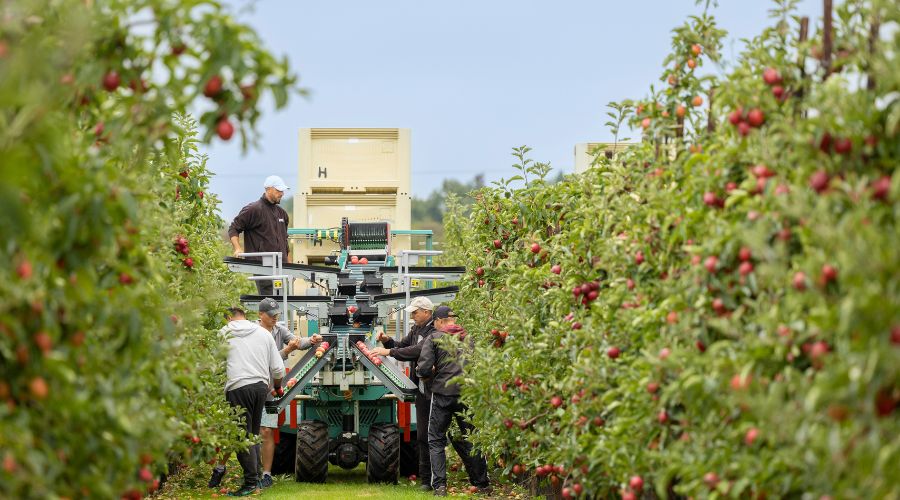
{"points": [[191, 484]]}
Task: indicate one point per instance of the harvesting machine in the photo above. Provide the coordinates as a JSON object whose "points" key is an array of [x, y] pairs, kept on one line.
{"points": [[345, 405]]}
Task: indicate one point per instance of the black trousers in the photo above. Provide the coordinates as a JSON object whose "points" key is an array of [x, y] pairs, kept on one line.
{"points": [[423, 405], [445, 409], [252, 399]]}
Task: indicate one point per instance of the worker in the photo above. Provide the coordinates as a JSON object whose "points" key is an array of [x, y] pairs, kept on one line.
{"points": [[252, 361], [264, 226], [441, 360], [286, 342], [408, 349]]}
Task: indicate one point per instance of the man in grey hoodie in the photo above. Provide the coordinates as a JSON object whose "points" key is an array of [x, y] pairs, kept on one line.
{"points": [[252, 361], [286, 343]]}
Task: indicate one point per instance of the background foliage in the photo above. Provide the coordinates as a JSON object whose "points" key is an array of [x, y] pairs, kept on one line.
{"points": [[715, 311], [113, 288]]}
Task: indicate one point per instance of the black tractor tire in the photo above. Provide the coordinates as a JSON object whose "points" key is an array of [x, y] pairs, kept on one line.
{"points": [[409, 455], [384, 454], [285, 454], [312, 452]]}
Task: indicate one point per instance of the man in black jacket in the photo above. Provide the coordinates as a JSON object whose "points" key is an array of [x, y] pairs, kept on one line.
{"points": [[441, 360], [264, 225], [408, 349]]}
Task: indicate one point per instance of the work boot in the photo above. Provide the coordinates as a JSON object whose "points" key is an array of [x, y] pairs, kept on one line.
{"points": [[440, 492], [245, 490], [266, 481], [216, 478], [484, 490]]}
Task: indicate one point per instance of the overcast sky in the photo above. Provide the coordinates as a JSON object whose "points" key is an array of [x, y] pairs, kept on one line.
{"points": [[472, 79]]}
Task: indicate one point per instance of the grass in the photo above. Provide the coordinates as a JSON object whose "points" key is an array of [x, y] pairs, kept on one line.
{"points": [[190, 483]]}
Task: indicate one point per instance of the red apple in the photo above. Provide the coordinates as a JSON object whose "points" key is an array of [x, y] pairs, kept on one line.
{"points": [[556, 269], [771, 76], [662, 417], [711, 263], [479, 271], [843, 146], [24, 270], [652, 387], [497, 243], [745, 268], [819, 181], [881, 188], [556, 401], [736, 116], [213, 86], [829, 273], [535, 247], [799, 281], [664, 353], [636, 483], [613, 352], [224, 129], [111, 81], [751, 436], [778, 91], [756, 117], [744, 129], [639, 258], [745, 254], [672, 317], [711, 479]]}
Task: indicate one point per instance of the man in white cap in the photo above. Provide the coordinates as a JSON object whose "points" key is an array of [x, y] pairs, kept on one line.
{"points": [[408, 349], [264, 225]]}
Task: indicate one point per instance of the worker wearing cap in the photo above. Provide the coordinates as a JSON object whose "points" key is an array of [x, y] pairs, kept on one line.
{"points": [[264, 225], [441, 360], [408, 349], [286, 342]]}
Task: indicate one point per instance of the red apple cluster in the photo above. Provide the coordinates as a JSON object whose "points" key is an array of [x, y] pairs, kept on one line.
{"points": [[499, 337], [182, 247], [745, 121], [320, 351], [374, 358], [587, 291], [773, 79]]}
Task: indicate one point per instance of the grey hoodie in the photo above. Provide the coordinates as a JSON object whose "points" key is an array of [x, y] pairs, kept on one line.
{"points": [[252, 356]]}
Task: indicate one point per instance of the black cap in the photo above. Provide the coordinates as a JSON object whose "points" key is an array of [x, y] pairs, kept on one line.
{"points": [[444, 312], [269, 306]]}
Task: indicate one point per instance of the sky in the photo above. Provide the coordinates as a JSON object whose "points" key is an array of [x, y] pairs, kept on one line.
{"points": [[471, 79]]}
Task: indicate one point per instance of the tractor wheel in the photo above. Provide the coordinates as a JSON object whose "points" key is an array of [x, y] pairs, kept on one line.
{"points": [[409, 456], [312, 452], [384, 453], [285, 454]]}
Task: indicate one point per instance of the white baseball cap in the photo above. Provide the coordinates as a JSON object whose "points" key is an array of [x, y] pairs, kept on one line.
{"points": [[420, 303], [275, 182]]}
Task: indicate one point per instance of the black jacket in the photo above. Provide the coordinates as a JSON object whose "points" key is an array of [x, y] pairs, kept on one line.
{"points": [[264, 225], [438, 364], [409, 348]]}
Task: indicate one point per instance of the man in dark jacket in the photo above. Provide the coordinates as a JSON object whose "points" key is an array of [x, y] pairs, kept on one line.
{"points": [[408, 349], [264, 225], [441, 360]]}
